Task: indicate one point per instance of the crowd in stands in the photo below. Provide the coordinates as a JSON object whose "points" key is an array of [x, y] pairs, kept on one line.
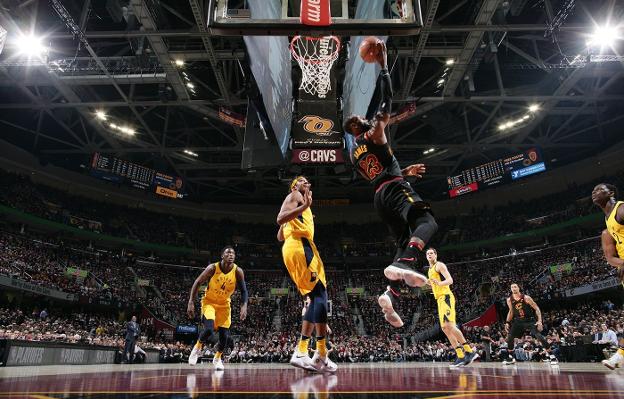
{"points": [[335, 239]]}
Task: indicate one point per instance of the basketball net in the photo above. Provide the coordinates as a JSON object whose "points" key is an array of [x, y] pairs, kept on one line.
{"points": [[315, 56]]}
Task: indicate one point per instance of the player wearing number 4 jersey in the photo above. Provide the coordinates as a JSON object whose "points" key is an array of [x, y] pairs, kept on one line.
{"points": [[407, 216], [216, 313], [605, 197]]}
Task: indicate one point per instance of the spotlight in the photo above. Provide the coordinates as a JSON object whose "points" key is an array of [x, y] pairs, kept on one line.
{"points": [[100, 115], [534, 107], [190, 85], [31, 46], [441, 81], [179, 63], [449, 62], [603, 36]]}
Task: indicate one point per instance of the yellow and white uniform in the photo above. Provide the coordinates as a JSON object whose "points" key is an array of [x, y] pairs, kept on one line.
{"points": [[215, 304], [444, 296], [300, 254], [616, 230]]}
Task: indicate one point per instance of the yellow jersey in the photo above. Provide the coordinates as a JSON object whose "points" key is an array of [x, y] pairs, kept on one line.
{"points": [[438, 291], [616, 230], [220, 287], [300, 227]]}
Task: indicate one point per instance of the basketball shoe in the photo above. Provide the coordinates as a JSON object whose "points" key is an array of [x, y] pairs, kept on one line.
{"points": [[389, 306]]}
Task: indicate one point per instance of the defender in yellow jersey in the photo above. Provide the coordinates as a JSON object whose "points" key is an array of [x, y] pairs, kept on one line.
{"points": [[605, 197], [306, 269], [222, 278], [446, 308]]}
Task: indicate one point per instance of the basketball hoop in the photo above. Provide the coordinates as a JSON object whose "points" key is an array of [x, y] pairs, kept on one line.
{"points": [[315, 56]]}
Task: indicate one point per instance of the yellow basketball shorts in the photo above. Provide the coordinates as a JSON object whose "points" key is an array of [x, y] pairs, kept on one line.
{"points": [[221, 314], [304, 264], [446, 308]]}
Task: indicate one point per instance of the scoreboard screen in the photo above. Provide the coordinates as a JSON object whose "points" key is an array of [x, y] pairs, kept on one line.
{"points": [[496, 172], [125, 172]]}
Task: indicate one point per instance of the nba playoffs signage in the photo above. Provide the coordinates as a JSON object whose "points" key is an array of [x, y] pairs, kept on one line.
{"points": [[316, 131], [39, 354], [317, 156], [593, 287]]}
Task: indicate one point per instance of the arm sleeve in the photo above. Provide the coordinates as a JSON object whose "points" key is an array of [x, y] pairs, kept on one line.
{"points": [[386, 90], [243, 289]]}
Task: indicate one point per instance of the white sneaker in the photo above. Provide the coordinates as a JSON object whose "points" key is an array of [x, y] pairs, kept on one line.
{"points": [[613, 362], [194, 356], [323, 365], [387, 307], [411, 278], [554, 361], [302, 361], [217, 363], [509, 362]]}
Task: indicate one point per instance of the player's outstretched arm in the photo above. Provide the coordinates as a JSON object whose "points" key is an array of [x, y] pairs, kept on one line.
{"points": [[240, 282], [610, 253], [294, 204], [206, 275]]}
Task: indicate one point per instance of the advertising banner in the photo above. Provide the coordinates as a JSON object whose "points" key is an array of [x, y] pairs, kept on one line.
{"points": [[148, 319], [463, 190], [76, 273], [320, 129], [232, 117], [593, 287], [165, 192], [487, 318], [279, 291], [16, 283]]}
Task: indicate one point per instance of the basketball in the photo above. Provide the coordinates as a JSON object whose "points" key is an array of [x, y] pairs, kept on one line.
{"points": [[369, 49]]}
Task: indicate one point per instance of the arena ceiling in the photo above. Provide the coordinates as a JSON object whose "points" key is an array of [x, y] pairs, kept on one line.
{"points": [[508, 54]]}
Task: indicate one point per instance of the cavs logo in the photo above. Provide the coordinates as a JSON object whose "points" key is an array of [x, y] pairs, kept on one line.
{"points": [[316, 125], [370, 166]]}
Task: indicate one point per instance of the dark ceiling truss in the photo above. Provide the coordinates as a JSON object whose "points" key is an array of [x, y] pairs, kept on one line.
{"points": [[499, 69]]}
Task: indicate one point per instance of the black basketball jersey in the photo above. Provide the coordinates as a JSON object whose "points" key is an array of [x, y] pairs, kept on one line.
{"points": [[376, 163], [521, 309]]}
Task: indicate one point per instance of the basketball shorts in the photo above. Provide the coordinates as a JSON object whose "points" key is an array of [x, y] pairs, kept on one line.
{"points": [[221, 314], [393, 203], [446, 308], [303, 263]]}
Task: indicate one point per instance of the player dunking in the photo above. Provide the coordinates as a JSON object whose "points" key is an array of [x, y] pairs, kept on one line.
{"points": [[407, 216], [222, 277], [307, 272], [523, 314], [612, 240], [446, 309]]}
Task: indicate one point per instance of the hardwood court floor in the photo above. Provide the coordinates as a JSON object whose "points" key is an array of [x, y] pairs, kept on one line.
{"points": [[369, 380]]}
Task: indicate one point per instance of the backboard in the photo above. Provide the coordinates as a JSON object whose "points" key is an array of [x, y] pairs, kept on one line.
{"points": [[282, 18]]}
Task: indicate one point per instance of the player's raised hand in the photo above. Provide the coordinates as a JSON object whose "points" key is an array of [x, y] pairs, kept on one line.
{"points": [[190, 310], [382, 54], [307, 198], [416, 170]]}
